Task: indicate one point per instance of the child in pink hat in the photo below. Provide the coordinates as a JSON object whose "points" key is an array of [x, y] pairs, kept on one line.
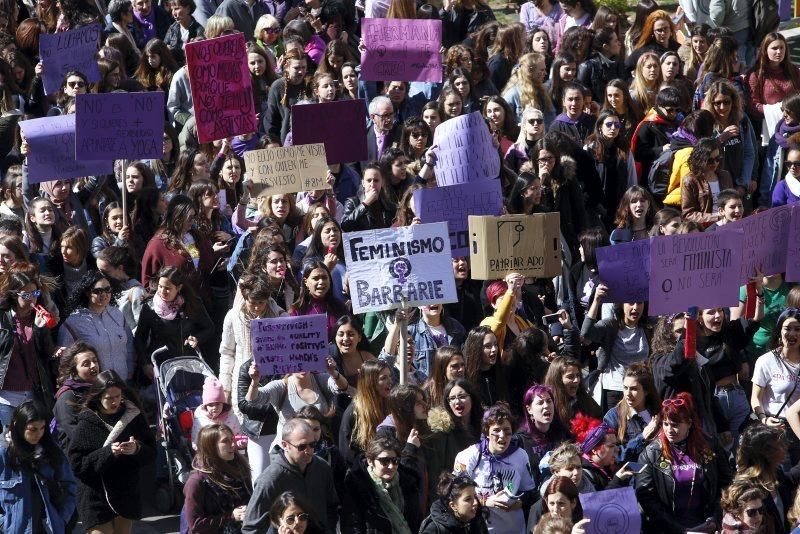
{"points": [[215, 409]]}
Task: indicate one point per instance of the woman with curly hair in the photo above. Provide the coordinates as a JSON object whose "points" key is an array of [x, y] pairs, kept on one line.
{"points": [[525, 88], [701, 187], [77, 370]]}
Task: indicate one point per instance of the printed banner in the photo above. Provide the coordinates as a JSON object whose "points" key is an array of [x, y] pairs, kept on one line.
{"points": [[401, 50], [466, 152], [625, 269], [340, 125], [525, 244], [765, 243], [286, 345], [120, 126], [52, 151], [614, 510], [454, 203], [63, 52], [411, 262], [699, 269], [222, 91], [287, 170]]}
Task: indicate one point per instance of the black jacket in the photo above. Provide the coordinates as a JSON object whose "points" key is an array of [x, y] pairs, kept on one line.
{"points": [[358, 216], [361, 510], [442, 521], [153, 332], [458, 23], [104, 478], [258, 419], [597, 71], [175, 42], [44, 347], [655, 488]]}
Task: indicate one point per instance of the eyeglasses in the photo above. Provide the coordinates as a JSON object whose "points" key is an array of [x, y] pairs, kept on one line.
{"points": [[677, 403], [386, 461], [546, 159], [712, 161], [460, 398], [290, 520], [101, 290], [793, 164], [30, 295], [535, 121], [752, 512], [616, 125], [272, 31], [721, 103], [385, 116], [303, 446], [73, 85]]}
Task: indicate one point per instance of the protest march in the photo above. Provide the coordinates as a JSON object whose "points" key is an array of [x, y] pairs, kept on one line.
{"points": [[395, 267]]}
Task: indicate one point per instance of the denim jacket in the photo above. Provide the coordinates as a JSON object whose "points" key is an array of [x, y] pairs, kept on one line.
{"points": [[15, 495], [425, 345]]}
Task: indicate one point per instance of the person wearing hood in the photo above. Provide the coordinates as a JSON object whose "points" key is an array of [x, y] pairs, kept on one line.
{"points": [[77, 371], [651, 136], [573, 121], [457, 510], [382, 490], [215, 409], [500, 467], [295, 468]]}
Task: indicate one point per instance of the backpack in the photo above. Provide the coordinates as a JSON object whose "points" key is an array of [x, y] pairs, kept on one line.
{"points": [[660, 171], [764, 18]]}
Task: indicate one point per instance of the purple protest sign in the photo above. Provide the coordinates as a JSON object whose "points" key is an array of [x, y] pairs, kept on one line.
{"points": [[119, 126], [614, 510], [764, 246], [625, 269], [52, 151], [222, 91], [699, 269], [340, 125], [793, 247], [454, 203], [465, 151], [286, 345], [63, 52], [401, 50]]}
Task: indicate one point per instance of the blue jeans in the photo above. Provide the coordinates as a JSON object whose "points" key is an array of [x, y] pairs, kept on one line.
{"points": [[747, 52], [735, 408]]}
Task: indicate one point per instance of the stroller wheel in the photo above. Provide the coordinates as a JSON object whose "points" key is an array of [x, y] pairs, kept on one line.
{"points": [[164, 499]]}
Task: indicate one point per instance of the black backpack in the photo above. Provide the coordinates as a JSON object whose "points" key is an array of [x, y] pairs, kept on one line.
{"points": [[764, 18], [660, 171]]}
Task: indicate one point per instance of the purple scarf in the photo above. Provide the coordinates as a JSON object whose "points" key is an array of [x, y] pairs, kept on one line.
{"points": [[148, 24], [783, 131], [685, 134], [70, 384], [563, 117]]}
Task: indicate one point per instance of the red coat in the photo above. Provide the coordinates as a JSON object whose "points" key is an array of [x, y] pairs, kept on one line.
{"points": [[158, 255]]}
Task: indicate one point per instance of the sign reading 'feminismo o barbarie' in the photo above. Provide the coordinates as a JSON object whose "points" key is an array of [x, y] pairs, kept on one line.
{"points": [[283, 345], [387, 265]]}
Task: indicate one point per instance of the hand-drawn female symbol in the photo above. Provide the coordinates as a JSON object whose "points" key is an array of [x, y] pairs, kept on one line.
{"points": [[400, 268]]}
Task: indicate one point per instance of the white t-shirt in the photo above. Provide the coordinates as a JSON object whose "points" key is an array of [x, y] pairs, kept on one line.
{"points": [[512, 474], [777, 378], [714, 194]]}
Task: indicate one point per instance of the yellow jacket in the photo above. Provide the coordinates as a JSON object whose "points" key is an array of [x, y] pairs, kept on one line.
{"points": [[502, 314], [680, 168]]}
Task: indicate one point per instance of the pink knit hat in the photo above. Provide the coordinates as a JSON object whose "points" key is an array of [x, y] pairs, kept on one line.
{"points": [[213, 391]]}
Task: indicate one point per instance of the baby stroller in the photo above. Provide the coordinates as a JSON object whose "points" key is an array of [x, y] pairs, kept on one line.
{"points": [[179, 391]]}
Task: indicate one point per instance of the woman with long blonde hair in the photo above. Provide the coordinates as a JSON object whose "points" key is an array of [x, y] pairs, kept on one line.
{"points": [[525, 88], [646, 80], [369, 408]]}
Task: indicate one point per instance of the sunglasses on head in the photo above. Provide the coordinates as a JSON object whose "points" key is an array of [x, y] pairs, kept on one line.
{"points": [[30, 295], [677, 403], [387, 461]]}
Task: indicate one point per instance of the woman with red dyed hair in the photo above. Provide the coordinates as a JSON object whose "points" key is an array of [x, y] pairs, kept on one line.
{"points": [[503, 296], [683, 473]]}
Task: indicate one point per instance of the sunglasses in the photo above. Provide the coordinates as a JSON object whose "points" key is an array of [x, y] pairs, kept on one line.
{"points": [[101, 290], [711, 161], [418, 135], [721, 103], [535, 121], [272, 31], [30, 295], [793, 164], [386, 461], [78, 85], [303, 446], [671, 110], [677, 403], [616, 125], [290, 520], [752, 512]]}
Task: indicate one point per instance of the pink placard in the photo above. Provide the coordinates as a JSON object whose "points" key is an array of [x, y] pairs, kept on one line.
{"points": [[221, 88], [401, 50]]}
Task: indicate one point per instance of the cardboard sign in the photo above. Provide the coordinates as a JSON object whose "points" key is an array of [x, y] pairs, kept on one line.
{"points": [[222, 91], [614, 510], [766, 239], [525, 244], [466, 152], [454, 203], [340, 125], [286, 345], [63, 52], [120, 126], [625, 269], [52, 151], [401, 50], [793, 247], [388, 265], [699, 269], [287, 170]]}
